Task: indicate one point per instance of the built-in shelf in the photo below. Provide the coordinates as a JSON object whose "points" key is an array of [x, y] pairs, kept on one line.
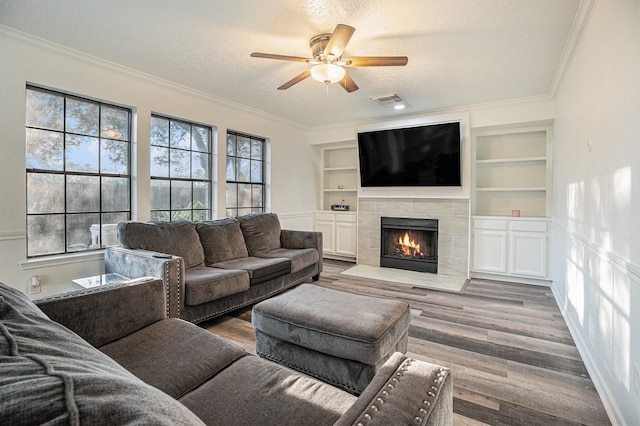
{"points": [[512, 171], [340, 175]]}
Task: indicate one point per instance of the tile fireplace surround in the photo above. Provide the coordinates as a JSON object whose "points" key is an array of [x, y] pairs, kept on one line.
{"points": [[453, 233]]}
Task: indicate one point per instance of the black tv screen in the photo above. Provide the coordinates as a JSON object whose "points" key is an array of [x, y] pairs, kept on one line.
{"points": [[412, 156]]}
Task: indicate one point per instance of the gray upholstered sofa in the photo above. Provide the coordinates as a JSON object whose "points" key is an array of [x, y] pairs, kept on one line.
{"points": [[121, 361], [212, 267]]}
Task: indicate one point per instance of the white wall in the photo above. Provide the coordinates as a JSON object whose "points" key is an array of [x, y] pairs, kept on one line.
{"points": [[596, 234], [24, 59]]}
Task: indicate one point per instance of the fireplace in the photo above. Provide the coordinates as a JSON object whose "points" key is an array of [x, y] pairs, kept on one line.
{"points": [[409, 244]]}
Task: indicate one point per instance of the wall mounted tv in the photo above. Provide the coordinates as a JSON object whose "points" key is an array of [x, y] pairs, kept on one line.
{"points": [[420, 156]]}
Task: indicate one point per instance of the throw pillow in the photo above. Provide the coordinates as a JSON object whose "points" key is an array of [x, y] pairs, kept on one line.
{"points": [[261, 232], [177, 238], [221, 240]]}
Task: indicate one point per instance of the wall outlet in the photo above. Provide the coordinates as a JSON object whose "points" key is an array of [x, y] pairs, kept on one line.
{"points": [[34, 285], [635, 382]]}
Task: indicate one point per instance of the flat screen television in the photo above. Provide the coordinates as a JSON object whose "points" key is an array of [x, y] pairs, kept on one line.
{"points": [[412, 156]]}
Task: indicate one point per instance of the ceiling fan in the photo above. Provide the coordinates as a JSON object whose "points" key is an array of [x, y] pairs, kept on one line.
{"points": [[328, 62]]}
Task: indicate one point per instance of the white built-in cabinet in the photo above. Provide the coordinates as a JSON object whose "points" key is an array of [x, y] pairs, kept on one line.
{"points": [[339, 233], [514, 247], [511, 201], [339, 186]]}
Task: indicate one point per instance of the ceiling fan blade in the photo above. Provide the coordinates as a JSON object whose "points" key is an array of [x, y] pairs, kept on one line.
{"points": [[375, 61], [348, 84], [295, 80], [280, 57], [338, 41]]}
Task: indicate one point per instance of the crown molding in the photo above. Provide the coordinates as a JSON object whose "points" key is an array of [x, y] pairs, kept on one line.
{"points": [[574, 38]]}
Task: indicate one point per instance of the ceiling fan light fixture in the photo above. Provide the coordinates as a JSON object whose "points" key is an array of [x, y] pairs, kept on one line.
{"points": [[327, 73]]}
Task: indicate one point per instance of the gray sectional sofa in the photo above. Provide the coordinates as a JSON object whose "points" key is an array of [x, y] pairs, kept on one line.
{"points": [[109, 356], [212, 267]]}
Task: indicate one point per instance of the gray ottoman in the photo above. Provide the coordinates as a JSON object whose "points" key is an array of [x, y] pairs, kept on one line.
{"points": [[338, 337]]}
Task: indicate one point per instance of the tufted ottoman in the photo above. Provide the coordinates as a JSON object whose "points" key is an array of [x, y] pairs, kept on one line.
{"points": [[338, 337]]}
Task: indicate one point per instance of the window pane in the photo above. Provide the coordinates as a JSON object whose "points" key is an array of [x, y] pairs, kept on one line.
{"points": [[244, 147], [201, 215], [180, 195], [180, 135], [159, 194], [256, 149], [180, 163], [244, 170], [200, 166], [115, 123], [231, 212], [115, 194], [231, 145], [110, 223], [231, 197], [159, 131], [256, 195], [46, 234], [45, 110], [45, 150], [256, 171], [45, 193], [231, 168], [79, 230], [82, 153], [244, 195], [200, 139], [82, 117], [243, 211], [181, 215], [114, 157], [161, 216], [159, 162], [83, 193], [201, 195]]}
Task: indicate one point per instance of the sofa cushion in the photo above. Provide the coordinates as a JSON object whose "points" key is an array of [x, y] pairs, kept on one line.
{"points": [[173, 355], [259, 269], [261, 232], [300, 258], [275, 395], [221, 240], [204, 284], [49, 375], [178, 238]]}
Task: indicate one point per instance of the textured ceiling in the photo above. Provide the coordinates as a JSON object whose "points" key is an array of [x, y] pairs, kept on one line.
{"points": [[461, 52]]}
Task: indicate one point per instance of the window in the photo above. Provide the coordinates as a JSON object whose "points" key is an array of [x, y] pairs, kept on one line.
{"points": [[78, 172], [180, 170], [245, 174]]}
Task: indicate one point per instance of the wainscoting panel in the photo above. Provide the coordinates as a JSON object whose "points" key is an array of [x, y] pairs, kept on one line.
{"points": [[598, 293]]}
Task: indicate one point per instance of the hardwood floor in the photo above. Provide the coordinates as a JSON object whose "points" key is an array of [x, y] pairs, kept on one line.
{"points": [[512, 358]]}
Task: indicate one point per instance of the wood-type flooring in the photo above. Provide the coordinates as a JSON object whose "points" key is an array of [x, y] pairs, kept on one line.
{"points": [[512, 359]]}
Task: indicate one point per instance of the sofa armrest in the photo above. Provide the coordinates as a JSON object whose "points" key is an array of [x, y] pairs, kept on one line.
{"points": [[135, 263], [405, 391], [293, 239], [101, 315]]}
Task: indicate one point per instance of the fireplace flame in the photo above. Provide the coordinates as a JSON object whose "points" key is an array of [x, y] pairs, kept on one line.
{"points": [[408, 246]]}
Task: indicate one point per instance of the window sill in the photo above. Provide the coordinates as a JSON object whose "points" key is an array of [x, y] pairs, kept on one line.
{"points": [[63, 259]]}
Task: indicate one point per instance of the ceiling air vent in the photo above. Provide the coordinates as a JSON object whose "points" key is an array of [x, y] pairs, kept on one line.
{"points": [[388, 99]]}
